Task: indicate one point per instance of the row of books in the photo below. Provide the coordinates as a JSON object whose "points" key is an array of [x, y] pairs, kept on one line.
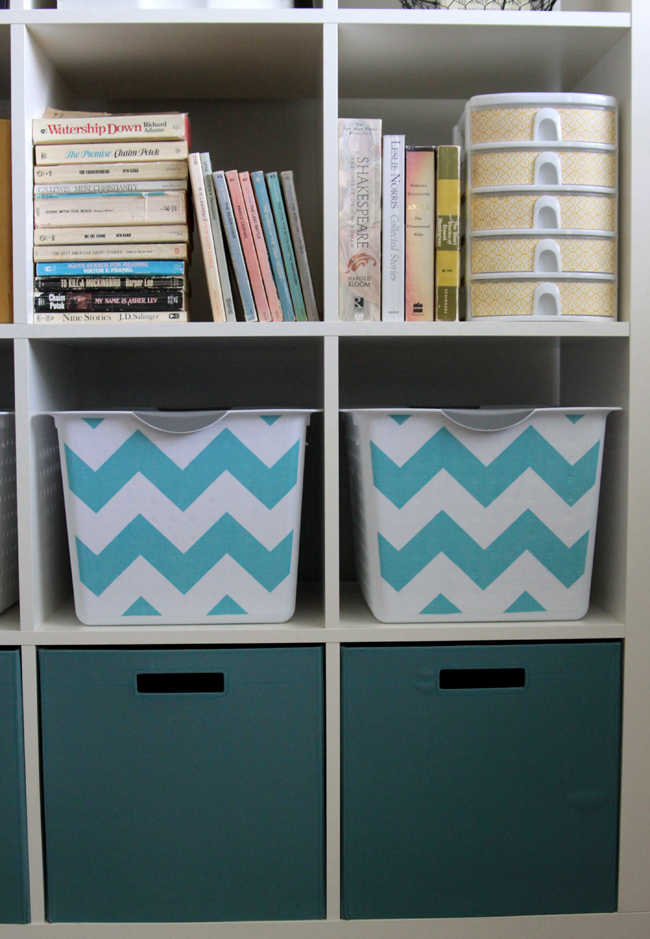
{"points": [[111, 218], [253, 245], [399, 227]]}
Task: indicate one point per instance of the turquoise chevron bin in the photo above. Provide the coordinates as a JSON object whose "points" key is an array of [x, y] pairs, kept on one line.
{"points": [[183, 517], [183, 785], [466, 515], [480, 780], [14, 890]]}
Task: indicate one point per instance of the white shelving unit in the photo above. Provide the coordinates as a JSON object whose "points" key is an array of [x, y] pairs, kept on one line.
{"points": [[264, 89]]}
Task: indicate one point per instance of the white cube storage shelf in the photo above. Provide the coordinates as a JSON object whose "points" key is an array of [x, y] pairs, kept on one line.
{"points": [[264, 90]]}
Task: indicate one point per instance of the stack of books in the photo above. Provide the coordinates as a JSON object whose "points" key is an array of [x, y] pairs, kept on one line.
{"points": [[399, 227], [111, 236], [253, 245]]}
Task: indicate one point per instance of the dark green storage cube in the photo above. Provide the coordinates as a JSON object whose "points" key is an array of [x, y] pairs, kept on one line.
{"points": [[480, 780], [183, 784], [14, 889]]}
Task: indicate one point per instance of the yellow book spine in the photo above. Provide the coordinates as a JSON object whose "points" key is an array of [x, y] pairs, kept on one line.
{"points": [[448, 233]]}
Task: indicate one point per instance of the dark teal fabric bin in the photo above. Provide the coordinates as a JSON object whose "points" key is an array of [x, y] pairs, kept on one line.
{"points": [[183, 784], [14, 883], [480, 780]]}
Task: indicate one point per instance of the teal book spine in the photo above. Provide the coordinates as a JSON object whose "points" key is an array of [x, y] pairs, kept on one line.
{"points": [[232, 237], [284, 234], [273, 245]]}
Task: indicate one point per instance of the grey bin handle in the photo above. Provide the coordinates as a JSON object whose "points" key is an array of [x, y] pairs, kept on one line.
{"points": [[488, 419], [185, 422]]}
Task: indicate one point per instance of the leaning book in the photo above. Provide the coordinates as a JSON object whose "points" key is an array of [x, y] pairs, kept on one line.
{"points": [[359, 219]]}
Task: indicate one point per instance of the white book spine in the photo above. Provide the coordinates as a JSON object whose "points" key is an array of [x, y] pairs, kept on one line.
{"points": [[88, 189], [134, 316], [140, 152], [133, 208], [151, 252], [205, 235], [111, 234], [112, 127], [109, 172], [217, 237], [392, 262]]}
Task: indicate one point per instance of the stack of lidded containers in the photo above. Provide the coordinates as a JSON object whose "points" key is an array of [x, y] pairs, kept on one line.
{"points": [[541, 205]]}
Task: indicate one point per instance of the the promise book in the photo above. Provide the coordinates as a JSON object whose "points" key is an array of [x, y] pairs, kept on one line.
{"points": [[359, 219]]}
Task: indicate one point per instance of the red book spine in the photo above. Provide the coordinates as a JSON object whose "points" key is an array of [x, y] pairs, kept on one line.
{"points": [[260, 246], [246, 238]]}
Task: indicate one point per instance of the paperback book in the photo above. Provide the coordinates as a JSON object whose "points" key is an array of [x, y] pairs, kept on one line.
{"points": [[88, 301], [61, 154], [157, 170], [392, 269], [447, 233], [130, 316], [419, 234], [111, 252], [114, 127]]}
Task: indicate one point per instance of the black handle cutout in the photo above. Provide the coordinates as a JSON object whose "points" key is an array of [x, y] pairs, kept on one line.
{"points": [[467, 679], [181, 683]]}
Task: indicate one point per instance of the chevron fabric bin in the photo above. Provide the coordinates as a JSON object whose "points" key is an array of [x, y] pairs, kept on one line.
{"points": [[189, 517], [475, 515]]}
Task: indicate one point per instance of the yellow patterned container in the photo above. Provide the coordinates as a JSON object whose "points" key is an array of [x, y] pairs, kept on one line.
{"points": [[544, 299], [541, 118], [543, 255], [499, 168], [594, 212]]}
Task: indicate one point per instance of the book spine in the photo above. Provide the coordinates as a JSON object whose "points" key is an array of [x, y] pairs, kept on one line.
{"points": [[56, 190], [299, 245], [123, 127], [392, 255], [359, 219], [447, 233], [112, 269], [112, 234], [126, 283], [107, 172], [81, 301], [60, 154], [245, 235], [260, 247], [284, 237], [419, 233], [273, 245], [140, 208], [205, 237], [66, 253], [132, 316], [234, 245], [217, 239]]}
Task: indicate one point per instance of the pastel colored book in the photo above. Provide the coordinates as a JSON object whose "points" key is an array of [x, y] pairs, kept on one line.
{"points": [[110, 172], [50, 154], [248, 248], [152, 252], [234, 246], [260, 247], [447, 233], [392, 263], [284, 236], [299, 245], [359, 219], [139, 127], [205, 236], [118, 268], [419, 233], [273, 245]]}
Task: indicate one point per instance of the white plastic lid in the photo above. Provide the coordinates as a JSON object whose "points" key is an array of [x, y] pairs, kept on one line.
{"points": [[544, 98]]}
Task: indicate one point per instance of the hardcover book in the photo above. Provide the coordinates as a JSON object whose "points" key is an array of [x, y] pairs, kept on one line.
{"points": [[140, 208], [205, 237], [51, 154], [419, 233], [359, 219], [273, 245], [284, 236], [234, 246], [447, 233], [260, 247], [112, 127], [117, 234], [246, 239], [392, 249], [153, 252], [300, 248], [109, 172]]}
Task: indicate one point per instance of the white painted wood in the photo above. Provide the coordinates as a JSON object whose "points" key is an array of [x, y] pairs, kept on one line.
{"points": [[330, 172], [24, 486], [33, 783], [331, 489]]}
